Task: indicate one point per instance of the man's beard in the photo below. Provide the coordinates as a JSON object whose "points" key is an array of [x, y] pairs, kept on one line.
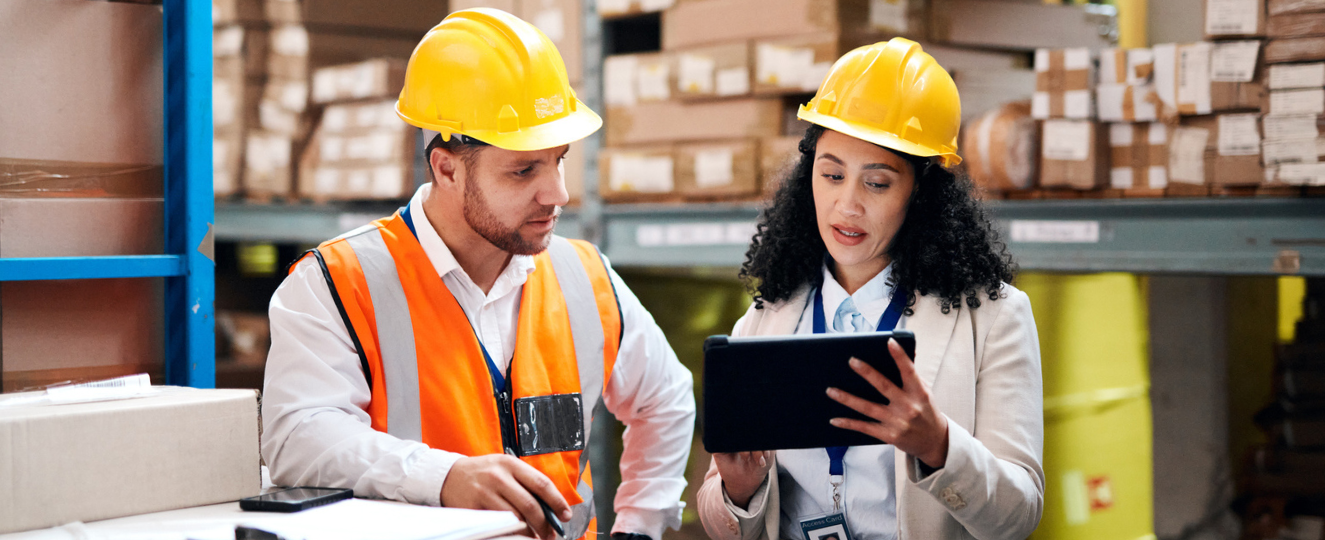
{"points": [[485, 223]]}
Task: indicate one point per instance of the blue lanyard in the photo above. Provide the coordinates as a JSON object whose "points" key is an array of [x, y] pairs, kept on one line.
{"points": [[887, 322], [498, 380]]}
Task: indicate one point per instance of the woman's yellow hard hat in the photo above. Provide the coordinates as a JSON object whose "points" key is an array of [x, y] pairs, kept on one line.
{"points": [[487, 74], [894, 95]]}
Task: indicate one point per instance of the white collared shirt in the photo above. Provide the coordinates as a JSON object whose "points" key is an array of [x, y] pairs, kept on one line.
{"points": [[868, 483], [316, 430]]}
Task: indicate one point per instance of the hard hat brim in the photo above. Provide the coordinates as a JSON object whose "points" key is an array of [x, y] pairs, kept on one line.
{"points": [[577, 125], [880, 137]]}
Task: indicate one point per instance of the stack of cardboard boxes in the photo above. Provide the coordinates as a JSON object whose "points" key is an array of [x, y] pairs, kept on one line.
{"points": [[267, 52], [712, 113], [1178, 119], [1295, 53]]}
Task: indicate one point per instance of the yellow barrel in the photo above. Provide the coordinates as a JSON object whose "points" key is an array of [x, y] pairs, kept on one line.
{"points": [[1097, 451]]}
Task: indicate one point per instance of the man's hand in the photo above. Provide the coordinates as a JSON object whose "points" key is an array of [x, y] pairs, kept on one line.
{"points": [[742, 473], [502, 482]]}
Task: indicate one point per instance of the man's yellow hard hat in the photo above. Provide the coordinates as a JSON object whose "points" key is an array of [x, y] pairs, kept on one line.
{"points": [[486, 74], [894, 95]]}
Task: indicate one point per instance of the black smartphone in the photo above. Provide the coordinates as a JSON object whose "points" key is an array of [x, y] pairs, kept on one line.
{"points": [[294, 499]]}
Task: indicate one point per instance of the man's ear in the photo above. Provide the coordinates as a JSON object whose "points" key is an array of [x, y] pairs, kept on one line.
{"points": [[444, 164]]}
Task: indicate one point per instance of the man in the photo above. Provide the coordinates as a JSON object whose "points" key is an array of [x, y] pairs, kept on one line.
{"points": [[453, 353]]}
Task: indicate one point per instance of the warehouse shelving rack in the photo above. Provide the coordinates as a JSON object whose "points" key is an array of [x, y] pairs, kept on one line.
{"points": [[187, 266]]}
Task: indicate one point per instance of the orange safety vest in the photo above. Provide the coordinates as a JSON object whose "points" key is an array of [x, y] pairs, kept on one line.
{"points": [[427, 371]]}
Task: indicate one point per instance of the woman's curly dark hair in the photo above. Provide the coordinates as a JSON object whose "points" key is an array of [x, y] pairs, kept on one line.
{"points": [[946, 247]]}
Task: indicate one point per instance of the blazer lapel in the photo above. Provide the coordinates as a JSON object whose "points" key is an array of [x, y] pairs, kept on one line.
{"points": [[782, 318], [933, 332]]}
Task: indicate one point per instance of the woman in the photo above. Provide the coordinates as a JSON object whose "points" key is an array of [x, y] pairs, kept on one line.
{"points": [[872, 230]]}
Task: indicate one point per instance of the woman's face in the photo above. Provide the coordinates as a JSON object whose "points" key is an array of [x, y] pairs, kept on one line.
{"points": [[861, 191]]}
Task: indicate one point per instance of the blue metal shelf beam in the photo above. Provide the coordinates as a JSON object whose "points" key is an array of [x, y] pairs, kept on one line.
{"points": [[128, 266]]}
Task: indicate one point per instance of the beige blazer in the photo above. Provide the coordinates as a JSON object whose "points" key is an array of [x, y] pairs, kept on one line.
{"points": [[983, 369]]}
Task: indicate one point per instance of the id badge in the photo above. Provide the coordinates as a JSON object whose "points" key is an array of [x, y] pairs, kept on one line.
{"points": [[826, 527], [547, 424]]}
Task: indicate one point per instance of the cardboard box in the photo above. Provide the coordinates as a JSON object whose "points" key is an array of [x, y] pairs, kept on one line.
{"points": [[1200, 78], [296, 50], [794, 65], [1296, 174], [268, 167], [1026, 26], [226, 12], [282, 107], [717, 170], [1127, 66], [904, 18], [1073, 154], [83, 81], [629, 79], [376, 78], [240, 49], [1139, 155], [708, 22], [615, 9], [643, 173], [1295, 76], [777, 160], [178, 449], [1306, 49], [560, 20], [60, 330], [1234, 18], [960, 59], [1000, 148], [359, 151], [1299, 102], [985, 90], [409, 17], [1296, 25], [718, 71], [1127, 103], [227, 161], [1064, 84], [1292, 127], [1234, 141], [1281, 7], [670, 121]]}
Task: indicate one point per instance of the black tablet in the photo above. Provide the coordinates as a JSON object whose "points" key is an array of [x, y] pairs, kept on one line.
{"points": [[768, 393]]}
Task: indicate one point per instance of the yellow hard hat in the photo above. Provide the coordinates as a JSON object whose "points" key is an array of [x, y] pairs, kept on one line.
{"points": [[486, 74], [894, 95]]}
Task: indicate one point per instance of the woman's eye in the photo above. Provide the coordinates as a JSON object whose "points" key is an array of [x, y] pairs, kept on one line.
{"points": [[875, 185], [834, 177]]}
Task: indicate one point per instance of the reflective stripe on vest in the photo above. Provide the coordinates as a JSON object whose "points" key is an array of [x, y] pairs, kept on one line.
{"points": [[375, 292]]}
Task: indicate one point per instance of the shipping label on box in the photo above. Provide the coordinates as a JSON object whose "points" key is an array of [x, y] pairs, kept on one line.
{"points": [[1064, 84], [718, 169], [794, 65], [1229, 18], [1290, 127], [1140, 156], [638, 78], [1074, 154], [719, 71], [1296, 102], [1296, 76], [637, 174]]}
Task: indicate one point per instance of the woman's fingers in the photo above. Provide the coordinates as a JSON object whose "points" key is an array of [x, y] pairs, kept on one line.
{"points": [[862, 406], [873, 429], [905, 366], [876, 379]]}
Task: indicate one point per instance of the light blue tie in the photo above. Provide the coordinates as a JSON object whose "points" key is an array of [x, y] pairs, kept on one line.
{"points": [[848, 314]]}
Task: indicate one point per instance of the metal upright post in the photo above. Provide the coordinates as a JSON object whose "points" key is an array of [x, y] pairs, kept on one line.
{"points": [[190, 334]]}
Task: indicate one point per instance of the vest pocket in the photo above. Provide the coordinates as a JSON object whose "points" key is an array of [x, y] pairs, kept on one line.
{"points": [[547, 424]]}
